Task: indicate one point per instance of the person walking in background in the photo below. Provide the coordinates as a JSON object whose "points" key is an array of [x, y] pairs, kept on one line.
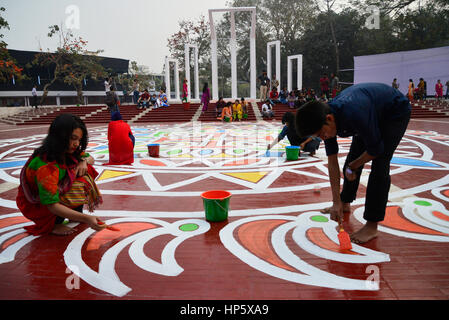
{"points": [[185, 91], [395, 84], [112, 100], [421, 89], [107, 84], [136, 92], [334, 85], [34, 98], [324, 84], [439, 90], [411, 90], [205, 98], [264, 82]]}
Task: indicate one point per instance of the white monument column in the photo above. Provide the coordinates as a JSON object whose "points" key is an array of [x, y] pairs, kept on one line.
{"points": [[187, 69], [233, 43], [213, 47], [289, 71], [233, 58], [276, 44], [167, 78], [252, 46]]}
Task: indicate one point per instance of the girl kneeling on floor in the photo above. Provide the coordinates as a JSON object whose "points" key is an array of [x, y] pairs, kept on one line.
{"points": [[58, 179]]}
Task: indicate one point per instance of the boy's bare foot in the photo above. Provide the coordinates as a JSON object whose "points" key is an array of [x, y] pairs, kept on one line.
{"points": [[365, 234], [346, 209], [62, 230]]}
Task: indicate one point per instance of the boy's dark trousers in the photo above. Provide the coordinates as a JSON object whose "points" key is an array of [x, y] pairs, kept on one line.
{"points": [[34, 102], [379, 180]]}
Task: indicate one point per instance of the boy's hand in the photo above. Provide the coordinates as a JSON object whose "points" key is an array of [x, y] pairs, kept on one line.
{"points": [[336, 212], [350, 175]]}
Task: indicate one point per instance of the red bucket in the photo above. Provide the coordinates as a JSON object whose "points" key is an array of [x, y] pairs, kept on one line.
{"points": [[153, 150]]}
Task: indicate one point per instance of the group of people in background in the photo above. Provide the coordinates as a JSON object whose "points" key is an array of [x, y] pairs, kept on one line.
{"points": [[228, 111], [145, 100], [419, 92]]}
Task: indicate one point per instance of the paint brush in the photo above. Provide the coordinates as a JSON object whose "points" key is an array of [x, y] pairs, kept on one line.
{"points": [[344, 239]]}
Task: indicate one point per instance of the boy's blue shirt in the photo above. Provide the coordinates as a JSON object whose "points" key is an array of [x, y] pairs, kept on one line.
{"points": [[362, 110]]}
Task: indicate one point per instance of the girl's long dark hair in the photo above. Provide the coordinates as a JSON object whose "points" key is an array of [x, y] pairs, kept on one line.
{"points": [[206, 85], [56, 144]]}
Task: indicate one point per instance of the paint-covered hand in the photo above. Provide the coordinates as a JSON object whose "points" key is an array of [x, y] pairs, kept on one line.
{"points": [[336, 212], [81, 168], [93, 223]]}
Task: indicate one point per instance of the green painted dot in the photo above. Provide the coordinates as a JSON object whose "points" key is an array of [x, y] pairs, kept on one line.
{"points": [[238, 151], [189, 227], [422, 203], [174, 151], [319, 219]]}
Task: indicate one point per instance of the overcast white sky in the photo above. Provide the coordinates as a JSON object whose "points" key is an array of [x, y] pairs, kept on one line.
{"points": [[130, 29]]}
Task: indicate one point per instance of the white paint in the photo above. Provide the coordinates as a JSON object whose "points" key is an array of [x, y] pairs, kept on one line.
{"points": [[415, 214], [312, 275], [106, 278]]}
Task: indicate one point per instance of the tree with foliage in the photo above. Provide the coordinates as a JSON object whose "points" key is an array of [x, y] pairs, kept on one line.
{"points": [[72, 62], [8, 66]]}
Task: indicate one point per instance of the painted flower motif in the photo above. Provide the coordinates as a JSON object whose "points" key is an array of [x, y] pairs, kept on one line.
{"points": [[48, 177]]}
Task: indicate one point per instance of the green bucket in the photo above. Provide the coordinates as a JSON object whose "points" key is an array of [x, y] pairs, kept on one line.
{"points": [[216, 205], [227, 119], [292, 152]]}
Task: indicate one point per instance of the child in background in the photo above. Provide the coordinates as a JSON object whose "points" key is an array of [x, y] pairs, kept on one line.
{"points": [[163, 99], [219, 106], [244, 108], [58, 179], [283, 95], [291, 100], [226, 114], [237, 110]]}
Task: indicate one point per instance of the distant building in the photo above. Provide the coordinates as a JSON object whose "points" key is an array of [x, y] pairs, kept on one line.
{"points": [[15, 93]]}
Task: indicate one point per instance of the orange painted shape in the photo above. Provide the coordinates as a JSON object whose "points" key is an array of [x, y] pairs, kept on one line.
{"points": [[255, 237], [126, 229], [318, 237], [440, 215], [446, 193], [394, 220], [152, 163], [14, 239], [161, 140], [11, 221], [241, 162]]}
